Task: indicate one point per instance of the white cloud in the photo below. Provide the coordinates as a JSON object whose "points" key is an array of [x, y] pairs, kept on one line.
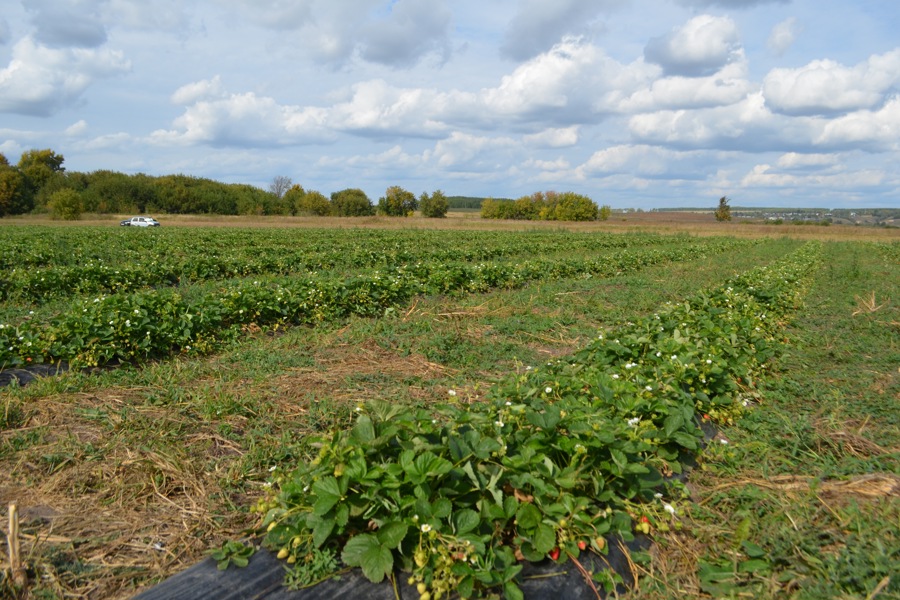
{"points": [[794, 160], [874, 130], [825, 86], [208, 89], [463, 151], [558, 137], [641, 160], [782, 36], [762, 176], [729, 86], [244, 120], [77, 129], [41, 81], [571, 83], [376, 108], [110, 141], [560, 164], [701, 46], [747, 125]]}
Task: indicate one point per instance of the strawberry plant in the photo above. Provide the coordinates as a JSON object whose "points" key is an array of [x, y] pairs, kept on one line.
{"points": [[573, 451]]}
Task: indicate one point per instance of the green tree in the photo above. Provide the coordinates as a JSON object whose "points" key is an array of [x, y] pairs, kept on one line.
{"points": [[397, 202], [569, 206], [308, 203], [434, 206], [65, 204], [723, 213], [351, 202], [13, 199], [604, 213], [41, 169]]}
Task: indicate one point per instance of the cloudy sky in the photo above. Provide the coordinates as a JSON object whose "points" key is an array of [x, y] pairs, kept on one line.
{"points": [[636, 103]]}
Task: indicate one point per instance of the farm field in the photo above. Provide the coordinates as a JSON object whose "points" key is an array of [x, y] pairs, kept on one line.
{"points": [[205, 359]]}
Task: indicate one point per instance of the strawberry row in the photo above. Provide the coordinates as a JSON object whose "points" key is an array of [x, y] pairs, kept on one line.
{"points": [[155, 323], [557, 459]]}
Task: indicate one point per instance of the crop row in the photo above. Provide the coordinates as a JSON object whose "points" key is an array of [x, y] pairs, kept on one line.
{"points": [[555, 461], [41, 247], [155, 323], [95, 276]]}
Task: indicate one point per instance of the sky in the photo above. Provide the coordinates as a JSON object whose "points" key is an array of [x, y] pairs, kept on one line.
{"points": [[634, 103]]}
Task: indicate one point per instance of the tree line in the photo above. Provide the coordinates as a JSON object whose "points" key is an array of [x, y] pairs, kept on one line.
{"points": [[546, 206], [40, 184]]}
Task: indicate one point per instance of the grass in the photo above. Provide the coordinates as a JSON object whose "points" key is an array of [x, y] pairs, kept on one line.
{"points": [[127, 476], [804, 500]]}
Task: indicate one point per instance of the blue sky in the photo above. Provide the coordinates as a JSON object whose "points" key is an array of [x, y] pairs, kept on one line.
{"points": [[635, 103]]}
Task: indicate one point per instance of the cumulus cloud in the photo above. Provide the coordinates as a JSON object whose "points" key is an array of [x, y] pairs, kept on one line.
{"points": [[764, 176], [872, 130], [825, 86], [539, 24], [40, 80], [76, 129], [702, 46], [746, 126], [782, 36], [206, 89], [572, 83], [557, 137], [728, 86], [377, 108], [464, 151], [244, 120], [795, 160], [646, 162]]}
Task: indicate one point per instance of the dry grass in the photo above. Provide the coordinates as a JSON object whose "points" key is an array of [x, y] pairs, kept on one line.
{"points": [[118, 490], [700, 224]]}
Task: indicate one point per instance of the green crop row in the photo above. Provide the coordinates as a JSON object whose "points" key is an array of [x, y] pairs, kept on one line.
{"points": [[155, 323], [186, 260], [555, 461], [42, 247]]}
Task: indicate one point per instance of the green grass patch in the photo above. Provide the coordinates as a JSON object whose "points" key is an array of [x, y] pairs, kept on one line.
{"points": [[803, 500]]}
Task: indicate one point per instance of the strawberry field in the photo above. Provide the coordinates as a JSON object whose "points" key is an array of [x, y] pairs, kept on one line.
{"points": [[443, 407]]}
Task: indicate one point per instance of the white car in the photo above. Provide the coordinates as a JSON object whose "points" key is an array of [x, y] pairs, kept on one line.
{"points": [[140, 222]]}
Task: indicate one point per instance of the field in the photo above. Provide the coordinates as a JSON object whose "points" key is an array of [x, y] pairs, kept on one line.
{"points": [[209, 359]]}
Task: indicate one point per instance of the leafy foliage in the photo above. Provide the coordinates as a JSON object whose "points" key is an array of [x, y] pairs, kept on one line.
{"points": [[134, 326], [434, 206], [543, 206], [556, 459], [723, 212], [65, 204], [351, 202], [397, 202]]}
